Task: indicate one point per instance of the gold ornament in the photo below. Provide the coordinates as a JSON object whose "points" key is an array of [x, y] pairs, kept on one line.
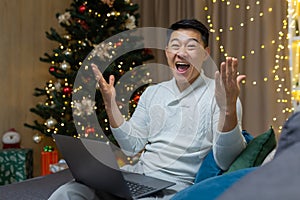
{"points": [[51, 122], [37, 138], [65, 66]]}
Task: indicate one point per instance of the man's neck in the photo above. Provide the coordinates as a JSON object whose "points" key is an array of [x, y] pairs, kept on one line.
{"points": [[185, 84]]}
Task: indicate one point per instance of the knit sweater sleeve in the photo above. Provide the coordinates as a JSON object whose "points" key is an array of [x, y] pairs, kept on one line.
{"points": [[132, 134], [228, 145]]}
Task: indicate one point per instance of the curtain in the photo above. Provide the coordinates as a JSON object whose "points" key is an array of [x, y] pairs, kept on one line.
{"points": [[253, 31]]}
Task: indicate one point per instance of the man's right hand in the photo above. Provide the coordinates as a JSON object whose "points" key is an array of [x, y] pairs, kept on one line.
{"points": [[108, 92], [107, 89]]}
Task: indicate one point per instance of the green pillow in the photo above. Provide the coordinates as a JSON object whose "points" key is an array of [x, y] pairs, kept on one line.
{"points": [[255, 152]]}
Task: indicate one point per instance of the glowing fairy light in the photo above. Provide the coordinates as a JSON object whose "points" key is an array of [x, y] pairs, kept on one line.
{"points": [[275, 77]]}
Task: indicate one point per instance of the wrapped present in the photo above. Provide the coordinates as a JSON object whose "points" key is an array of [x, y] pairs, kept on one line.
{"points": [[49, 156], [61, 165], [15, 165]]}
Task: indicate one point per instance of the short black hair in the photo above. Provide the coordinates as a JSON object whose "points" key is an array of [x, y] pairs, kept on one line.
{"points": [[193, 24]]}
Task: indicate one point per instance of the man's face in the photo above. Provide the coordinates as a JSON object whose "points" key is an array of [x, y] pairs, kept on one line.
{"points": [[185, 54]]}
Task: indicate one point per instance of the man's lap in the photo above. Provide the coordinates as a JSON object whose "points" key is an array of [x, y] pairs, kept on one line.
{"points": [[77, 191]]}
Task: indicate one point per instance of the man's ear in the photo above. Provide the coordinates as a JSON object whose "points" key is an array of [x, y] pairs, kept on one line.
{"points": [[207, 53], [166, 52]]}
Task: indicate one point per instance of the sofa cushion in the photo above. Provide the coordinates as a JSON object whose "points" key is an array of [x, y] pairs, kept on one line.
{"points": [[212, 187], [255, 152], [209, 167], [38, 188], [279, 178]]}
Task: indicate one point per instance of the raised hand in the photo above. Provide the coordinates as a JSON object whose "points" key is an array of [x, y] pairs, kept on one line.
{"points": [[227, 92], [108, 92], [107, 89]]}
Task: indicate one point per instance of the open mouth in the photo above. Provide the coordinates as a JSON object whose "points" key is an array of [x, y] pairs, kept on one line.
{"points": [[182, 67]]}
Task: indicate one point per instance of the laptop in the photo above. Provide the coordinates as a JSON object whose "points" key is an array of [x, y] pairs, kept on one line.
{"points": [[94, 164]]}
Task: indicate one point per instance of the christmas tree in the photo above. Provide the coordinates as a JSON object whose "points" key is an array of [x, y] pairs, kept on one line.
{"points": [[66, 108]]}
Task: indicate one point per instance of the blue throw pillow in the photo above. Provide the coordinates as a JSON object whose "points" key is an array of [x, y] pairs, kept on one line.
{"points": [[212, 187], [209, 167], [248, 137]]}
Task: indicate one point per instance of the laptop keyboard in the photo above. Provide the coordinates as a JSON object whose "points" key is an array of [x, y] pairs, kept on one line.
{"points": [[138, 189]]}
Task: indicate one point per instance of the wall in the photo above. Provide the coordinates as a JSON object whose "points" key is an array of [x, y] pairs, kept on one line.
{"points": [[22, 43]]}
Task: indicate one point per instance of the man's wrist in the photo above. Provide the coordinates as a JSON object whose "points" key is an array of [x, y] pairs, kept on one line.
{"points": [[228, 112], [227, 120]]}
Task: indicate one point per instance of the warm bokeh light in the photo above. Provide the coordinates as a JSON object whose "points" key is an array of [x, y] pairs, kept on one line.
{"points": [[288, 26]]}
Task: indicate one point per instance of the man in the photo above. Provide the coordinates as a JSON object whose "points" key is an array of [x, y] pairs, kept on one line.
{"points": [[177, 122]]}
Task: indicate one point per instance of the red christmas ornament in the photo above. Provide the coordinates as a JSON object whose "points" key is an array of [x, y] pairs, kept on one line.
{"points": [[82, 8], [136, 98], [89, 130], [118, 44], [67, 90], [52, 69], [84, 25]]}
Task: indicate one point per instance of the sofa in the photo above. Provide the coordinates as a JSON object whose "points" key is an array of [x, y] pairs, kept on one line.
{"points": [[277, 178], [253, 175], [37, 188]]}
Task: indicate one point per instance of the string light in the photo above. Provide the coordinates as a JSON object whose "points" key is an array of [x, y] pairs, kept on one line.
{"points": [[278, 67], [294, 46]]}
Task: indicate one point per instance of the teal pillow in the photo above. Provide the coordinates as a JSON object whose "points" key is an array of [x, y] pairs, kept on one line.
{"points": [[209, 167], [255, 152], [213, 187]]}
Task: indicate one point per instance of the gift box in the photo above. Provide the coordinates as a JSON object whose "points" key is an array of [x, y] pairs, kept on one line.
{"points": [[15, 165], [48, 158], [61, 165]]}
